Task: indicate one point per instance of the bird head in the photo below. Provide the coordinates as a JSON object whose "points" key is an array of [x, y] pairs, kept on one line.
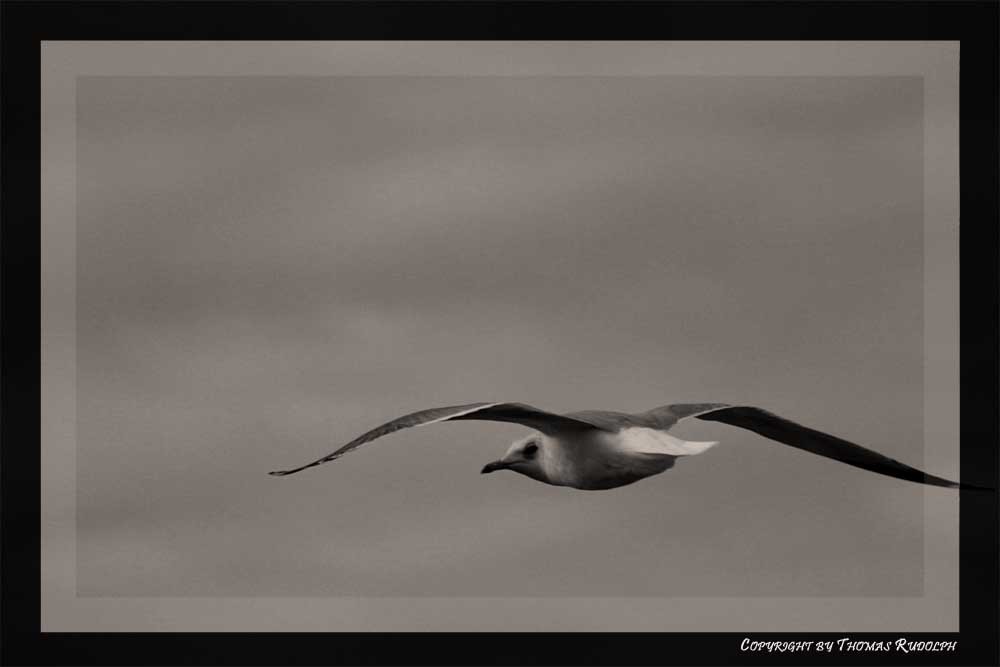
{"points": [[524, 456]]}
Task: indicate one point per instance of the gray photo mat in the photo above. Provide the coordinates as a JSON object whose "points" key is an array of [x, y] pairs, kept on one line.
{"points": [[78, 595]]}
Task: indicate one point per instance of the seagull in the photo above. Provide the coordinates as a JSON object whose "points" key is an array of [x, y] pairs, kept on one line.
{"points": [[599, 449]]}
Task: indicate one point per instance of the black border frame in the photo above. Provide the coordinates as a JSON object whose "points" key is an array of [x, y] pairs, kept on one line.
{"points": [[25, 24]]}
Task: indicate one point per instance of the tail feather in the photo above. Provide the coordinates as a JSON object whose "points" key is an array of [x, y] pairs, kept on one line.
{"points": [[651, 441], [692, 448]]}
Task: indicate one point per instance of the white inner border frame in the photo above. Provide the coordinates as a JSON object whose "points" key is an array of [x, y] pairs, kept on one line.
{"points": [[62, 62]]}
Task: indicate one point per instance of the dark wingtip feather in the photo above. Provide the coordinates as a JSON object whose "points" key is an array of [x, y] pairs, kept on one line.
{"points": [[782, 430], [948, 484], [974, 487]]}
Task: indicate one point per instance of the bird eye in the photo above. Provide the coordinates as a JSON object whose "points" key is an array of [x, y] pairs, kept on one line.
{"points": [[531, 450]]}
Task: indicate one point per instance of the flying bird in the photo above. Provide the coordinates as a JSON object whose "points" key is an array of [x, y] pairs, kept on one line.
{"points": [[598, 449]]}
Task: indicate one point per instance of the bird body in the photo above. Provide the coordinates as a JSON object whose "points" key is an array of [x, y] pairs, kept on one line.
{"points": [[598, 449], [613, 466], [598, 460]]}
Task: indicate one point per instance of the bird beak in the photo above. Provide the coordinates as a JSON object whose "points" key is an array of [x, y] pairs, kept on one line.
{"points": [[492, 467]]}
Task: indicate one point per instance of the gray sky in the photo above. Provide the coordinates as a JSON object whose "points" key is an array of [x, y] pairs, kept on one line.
{"points": [[269, 266]]}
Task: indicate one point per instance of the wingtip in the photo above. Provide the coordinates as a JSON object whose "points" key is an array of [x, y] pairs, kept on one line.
{"points": [[961, 486], [948, 484], [278, 473], [975, 487]]}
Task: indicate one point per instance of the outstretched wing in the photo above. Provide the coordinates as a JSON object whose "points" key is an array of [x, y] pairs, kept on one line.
{"points": [[788, 432], [666, 416], [518, 413]]}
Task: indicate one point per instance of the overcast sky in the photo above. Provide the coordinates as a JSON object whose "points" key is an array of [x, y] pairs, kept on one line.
{"points": [[269, 266]]}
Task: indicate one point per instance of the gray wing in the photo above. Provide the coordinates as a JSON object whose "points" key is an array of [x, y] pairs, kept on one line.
{"points": [[802, 437], [666, 416], [607, 420], [518, 413]]}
